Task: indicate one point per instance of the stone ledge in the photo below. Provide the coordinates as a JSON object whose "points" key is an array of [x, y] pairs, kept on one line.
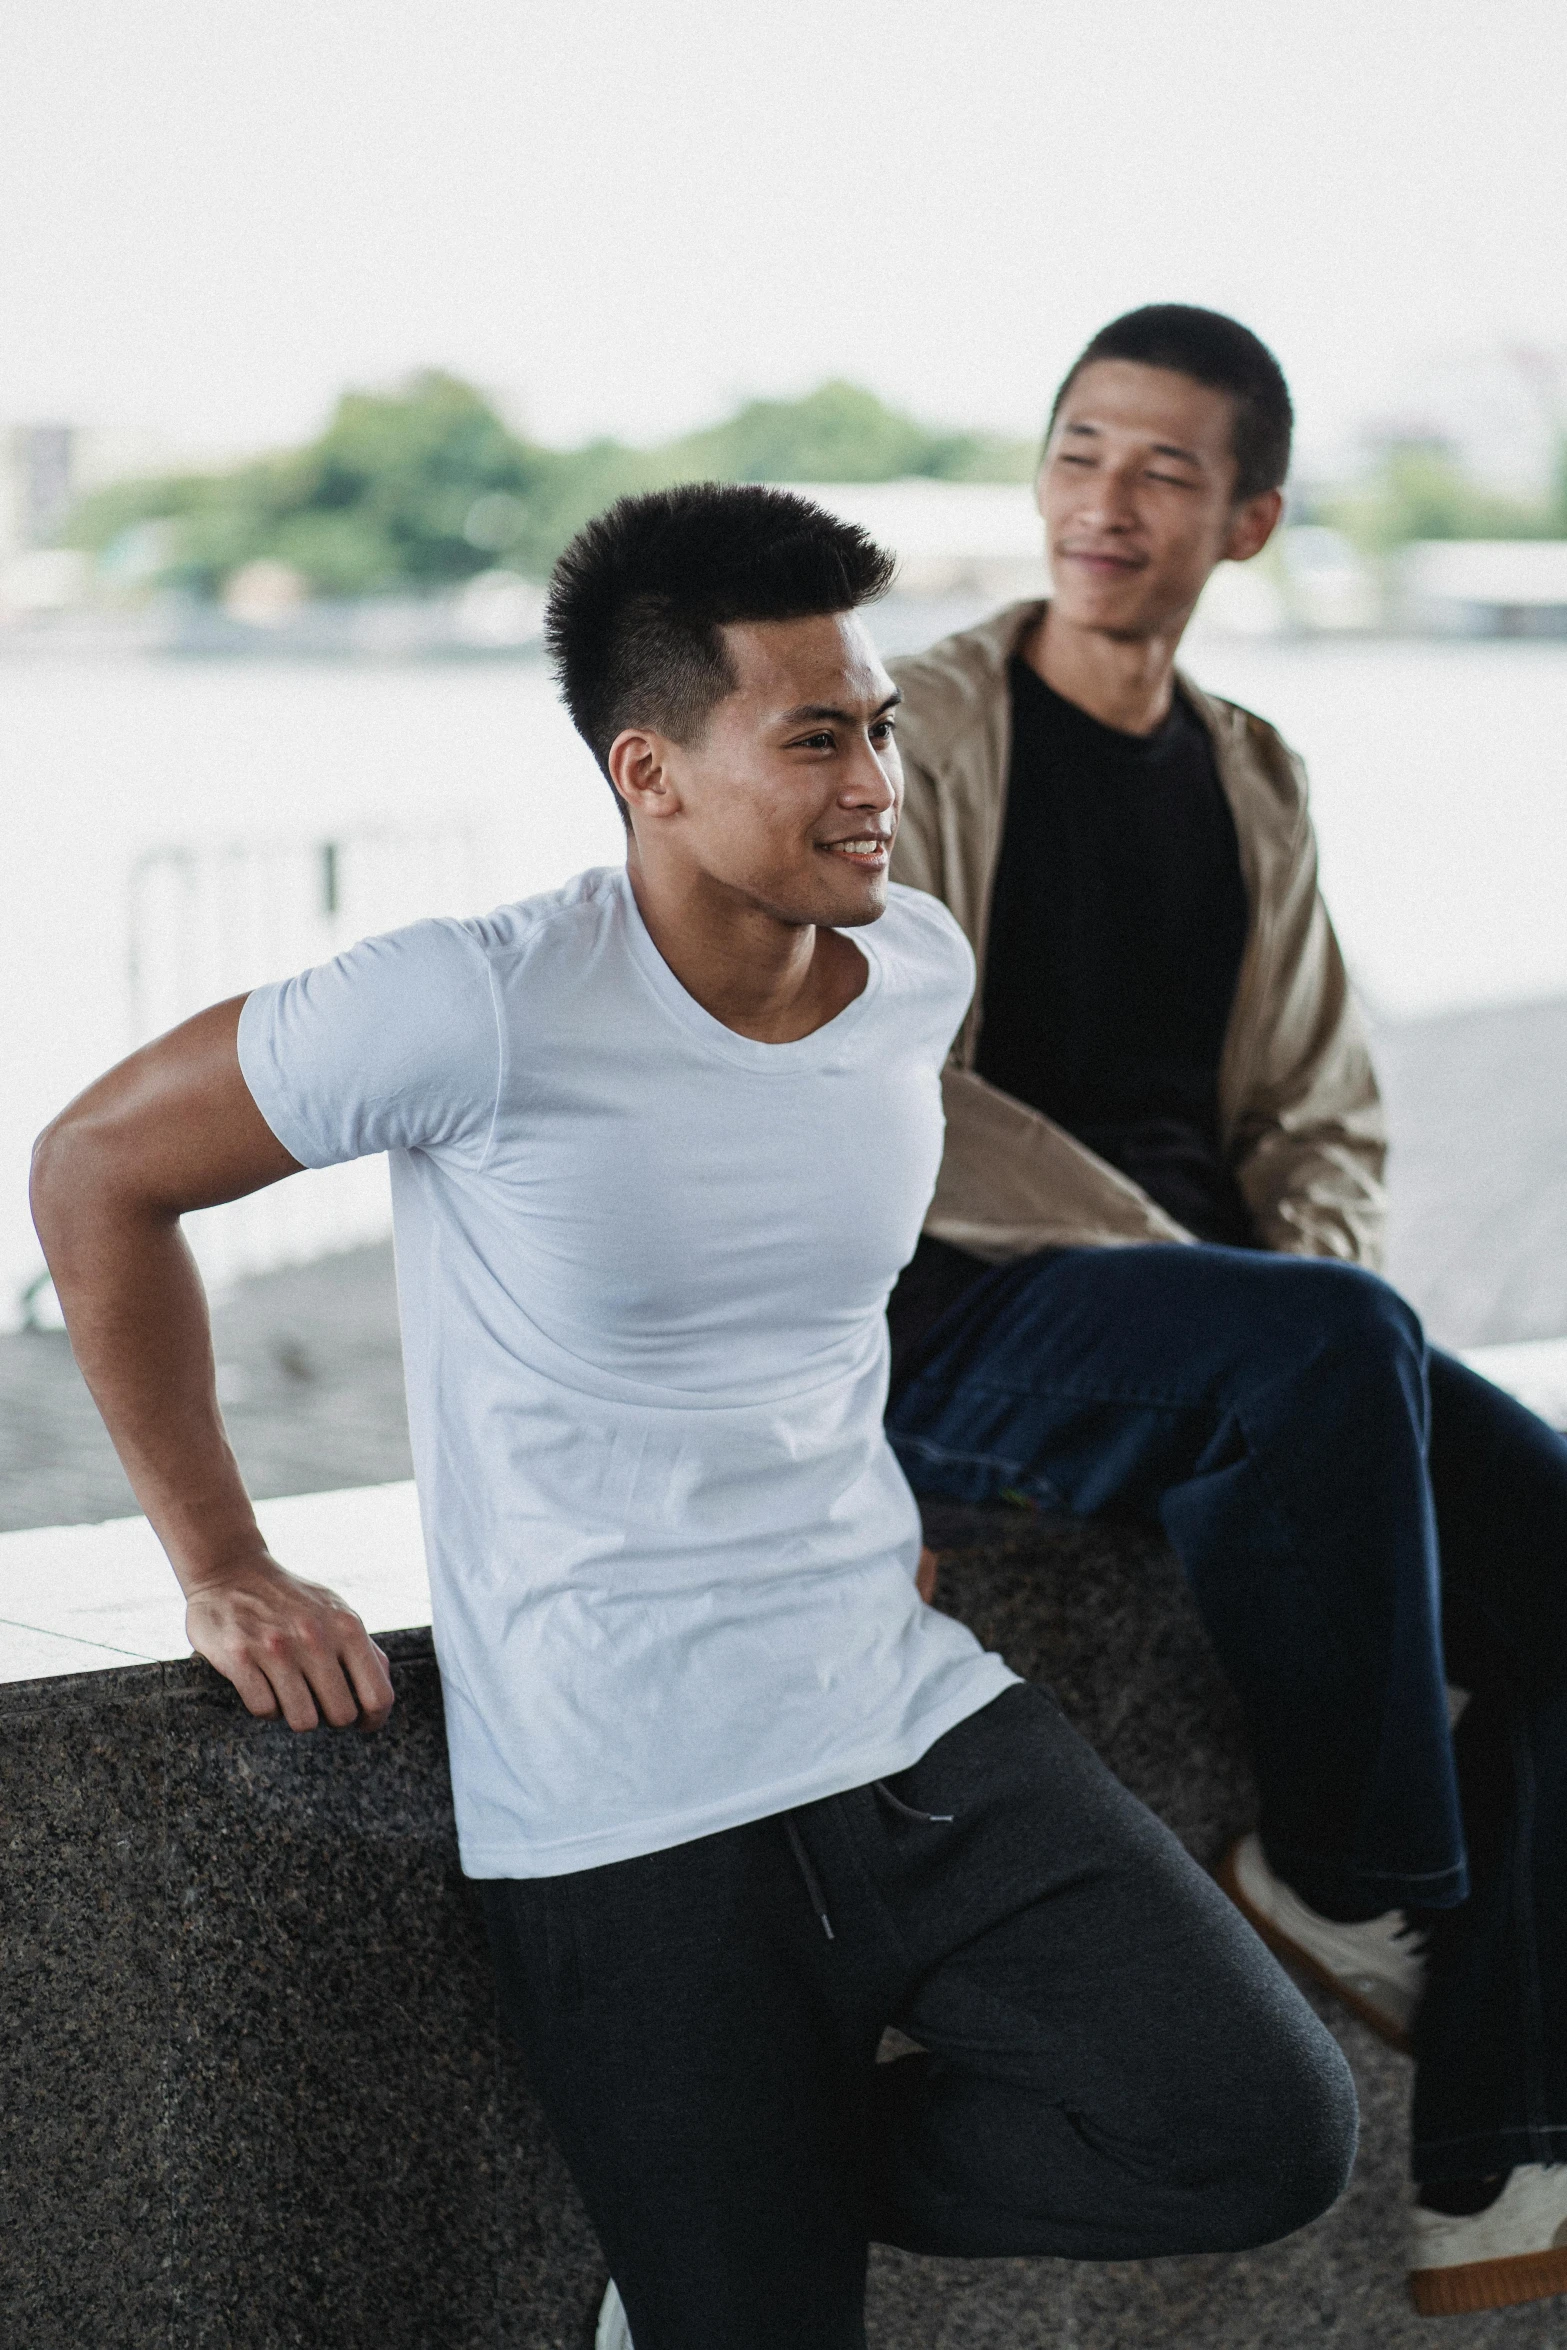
{"points": [[256, 2098]]}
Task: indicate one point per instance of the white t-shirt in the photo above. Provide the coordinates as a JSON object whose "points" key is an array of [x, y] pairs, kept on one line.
{"points": [[643, 1264]]}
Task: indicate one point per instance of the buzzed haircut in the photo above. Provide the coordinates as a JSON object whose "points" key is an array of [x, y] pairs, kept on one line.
{"points": [[1216, 351], [638, 599]]}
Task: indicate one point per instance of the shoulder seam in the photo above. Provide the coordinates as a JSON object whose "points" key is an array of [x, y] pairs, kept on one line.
{"points": [[538, 924], [500, 1064]]}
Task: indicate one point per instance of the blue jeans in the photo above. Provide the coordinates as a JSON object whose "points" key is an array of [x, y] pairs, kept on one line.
{"points": [[1361, 1519]]}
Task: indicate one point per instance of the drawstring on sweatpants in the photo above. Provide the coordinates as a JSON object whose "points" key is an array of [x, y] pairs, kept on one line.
{"points": [[813, 1883], [802, 1859], [906, 1811]]}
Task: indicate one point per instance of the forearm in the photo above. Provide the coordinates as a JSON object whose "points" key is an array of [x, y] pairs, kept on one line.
{"points": [[1312, 1174], [137, 1316], [172, 1129], [1307, 1135], [1324, 1203], [1012, 1181]]}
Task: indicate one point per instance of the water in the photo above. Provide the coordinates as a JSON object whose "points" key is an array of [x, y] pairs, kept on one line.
{"points": [[1439, 787], [1439, 776], [105, 761]]}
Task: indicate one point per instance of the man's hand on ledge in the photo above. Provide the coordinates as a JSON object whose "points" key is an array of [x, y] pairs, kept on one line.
{"points": [[291, 1648], [294, 1650]]}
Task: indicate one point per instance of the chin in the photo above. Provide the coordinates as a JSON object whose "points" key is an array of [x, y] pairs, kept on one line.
{"points": [[834, 900], [865, 901], [859, 918], [1112, 609], [846, 909]]}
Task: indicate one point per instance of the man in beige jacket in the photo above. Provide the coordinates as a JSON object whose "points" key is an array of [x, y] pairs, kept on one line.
{"points": [[1148, 1279]]}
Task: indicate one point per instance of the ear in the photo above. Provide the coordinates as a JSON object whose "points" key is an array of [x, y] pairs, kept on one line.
{"points": [[1252, 524], [639, 770]]}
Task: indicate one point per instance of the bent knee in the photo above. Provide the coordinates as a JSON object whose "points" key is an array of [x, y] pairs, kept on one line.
{"points": [[1296, 2134], [1359, 1304]]}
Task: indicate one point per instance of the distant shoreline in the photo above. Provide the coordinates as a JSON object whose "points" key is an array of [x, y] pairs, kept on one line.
{"points": [[382, 633]]}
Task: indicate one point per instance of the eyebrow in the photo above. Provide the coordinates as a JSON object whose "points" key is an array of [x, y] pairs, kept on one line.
{"points": [[1157, 448], [809, 711]]}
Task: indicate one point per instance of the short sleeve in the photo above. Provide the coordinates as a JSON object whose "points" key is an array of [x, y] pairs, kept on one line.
{"points": [[938, 960], [393, 1046]]}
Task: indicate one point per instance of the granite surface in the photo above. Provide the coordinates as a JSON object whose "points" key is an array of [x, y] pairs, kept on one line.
{"points": [[255, 2097], [254, 2091]]}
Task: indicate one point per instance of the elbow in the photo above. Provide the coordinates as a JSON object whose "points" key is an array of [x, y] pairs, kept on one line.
{"points": [[69, 1178], [50, 1179]]}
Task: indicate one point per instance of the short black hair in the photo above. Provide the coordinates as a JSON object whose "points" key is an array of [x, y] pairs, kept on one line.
{"points": [[637, 600], [1216, 351]]}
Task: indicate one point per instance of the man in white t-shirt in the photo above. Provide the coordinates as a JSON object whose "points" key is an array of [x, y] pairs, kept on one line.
{"points": [[736, 1799]]}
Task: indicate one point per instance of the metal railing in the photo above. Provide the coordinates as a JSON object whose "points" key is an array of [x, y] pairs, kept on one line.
{"points": [[212, 920]]}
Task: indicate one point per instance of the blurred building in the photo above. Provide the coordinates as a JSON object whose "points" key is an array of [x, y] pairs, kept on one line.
{"points": [[974, 539], [1484, 587], [1501, 412], [44, 469], [37, 485], [1326, 585]]}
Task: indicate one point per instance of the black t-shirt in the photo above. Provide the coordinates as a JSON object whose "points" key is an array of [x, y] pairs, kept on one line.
{"points": [[1117, 925]]}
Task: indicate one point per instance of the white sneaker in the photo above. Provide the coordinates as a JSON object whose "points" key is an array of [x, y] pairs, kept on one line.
{"points": [[1516, 2251], [613, 2331], [1378, 1967]]}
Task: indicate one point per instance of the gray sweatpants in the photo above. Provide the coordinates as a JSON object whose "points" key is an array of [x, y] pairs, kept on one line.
{"points": [[1113, 2066]]}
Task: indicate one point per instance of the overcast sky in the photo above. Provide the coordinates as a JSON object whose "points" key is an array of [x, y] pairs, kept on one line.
{"points": [[623, 217]]}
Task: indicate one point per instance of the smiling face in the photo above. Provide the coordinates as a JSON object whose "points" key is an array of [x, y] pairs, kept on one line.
{"points": [[1137, 491], [788, 799]]}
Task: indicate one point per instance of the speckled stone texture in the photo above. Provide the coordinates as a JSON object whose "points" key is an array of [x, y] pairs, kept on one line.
{"points": [[254, 2097], [252, 2088]]}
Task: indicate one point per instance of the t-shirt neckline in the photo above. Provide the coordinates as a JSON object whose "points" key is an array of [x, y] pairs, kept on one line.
{"points": [[748, 1052], [1112, 741]]}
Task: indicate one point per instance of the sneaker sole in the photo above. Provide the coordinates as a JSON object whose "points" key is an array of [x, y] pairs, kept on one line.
{"points": [[1488, 2284], [1282, 1947]]}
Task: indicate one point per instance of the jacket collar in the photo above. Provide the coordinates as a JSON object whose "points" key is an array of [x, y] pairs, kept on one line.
{"points": [[974, 661]]}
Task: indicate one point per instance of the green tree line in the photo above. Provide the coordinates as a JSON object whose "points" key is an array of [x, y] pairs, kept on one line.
{"points": [[421, 487], [1419, 490]]}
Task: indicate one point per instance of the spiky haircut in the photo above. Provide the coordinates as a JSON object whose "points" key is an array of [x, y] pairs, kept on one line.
{"points": [[638, 599], [1216, 351]]}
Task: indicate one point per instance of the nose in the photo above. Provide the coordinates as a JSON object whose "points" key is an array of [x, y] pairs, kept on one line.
{"points": [[1110, 504], [867, 783]]}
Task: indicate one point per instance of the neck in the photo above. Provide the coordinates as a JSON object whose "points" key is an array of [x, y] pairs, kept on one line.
{"points": [[1125, 682], [765, 978]]}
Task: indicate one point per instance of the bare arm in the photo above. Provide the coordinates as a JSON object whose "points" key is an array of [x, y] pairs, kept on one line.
{"points": [[172, 1129]]}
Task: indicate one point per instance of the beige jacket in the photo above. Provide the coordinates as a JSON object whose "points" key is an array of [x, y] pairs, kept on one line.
{"points": [[1299, 1112]]}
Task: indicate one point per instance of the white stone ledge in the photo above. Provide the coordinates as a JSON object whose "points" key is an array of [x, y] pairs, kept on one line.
{"points": [[1535, 1371], [78, 1598]]}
